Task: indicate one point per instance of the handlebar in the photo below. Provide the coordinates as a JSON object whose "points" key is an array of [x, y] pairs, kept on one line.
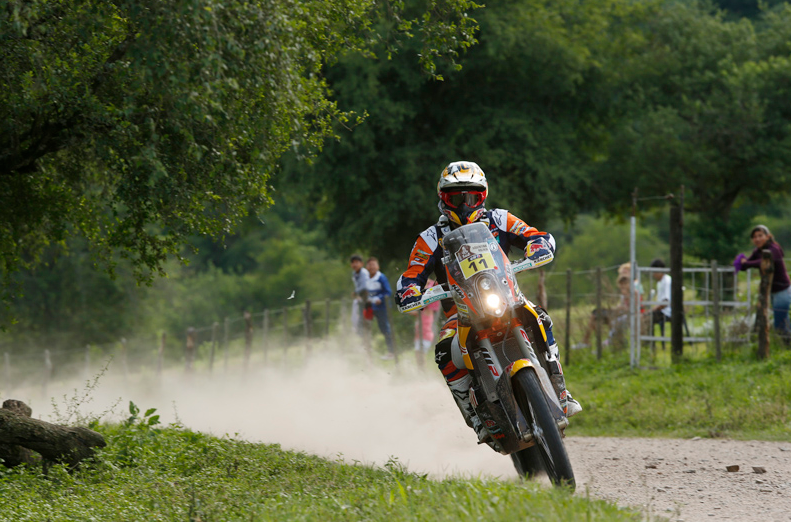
{"points": [[441, 292]]}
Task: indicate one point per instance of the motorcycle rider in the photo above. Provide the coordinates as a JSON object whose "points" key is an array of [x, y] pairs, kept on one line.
{"points": [[462, 190]]}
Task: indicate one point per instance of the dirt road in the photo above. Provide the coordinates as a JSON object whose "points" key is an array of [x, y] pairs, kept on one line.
{"points": [[687, 479]]}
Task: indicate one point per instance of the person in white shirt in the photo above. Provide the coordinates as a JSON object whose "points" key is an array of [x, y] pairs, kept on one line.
{"points": [[360, 278], [660, 313]]}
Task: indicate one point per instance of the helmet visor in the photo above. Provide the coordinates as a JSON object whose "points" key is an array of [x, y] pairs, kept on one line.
{"points": [[454, 199]]}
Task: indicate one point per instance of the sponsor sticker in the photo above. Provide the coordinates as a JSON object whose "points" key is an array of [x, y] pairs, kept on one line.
{"points": [[471, 250], [411, 291], [490, 423], [457, 290]]}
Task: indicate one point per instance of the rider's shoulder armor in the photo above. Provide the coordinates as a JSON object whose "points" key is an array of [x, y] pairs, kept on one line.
{"points": [[498, 219]]}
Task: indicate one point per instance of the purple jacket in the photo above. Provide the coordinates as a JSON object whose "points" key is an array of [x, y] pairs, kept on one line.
{"points": [[780, 280]]}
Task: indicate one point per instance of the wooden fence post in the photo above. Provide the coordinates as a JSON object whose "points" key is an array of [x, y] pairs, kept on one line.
{"points": [[568, 316], [344, 326], [599, 313], [542, 288], [764, 303], [248, 338], [47, 370], [161, 353], [265, 335], [214, 329], [308, 326], [715, 308], [225, 347], [189, 350]]}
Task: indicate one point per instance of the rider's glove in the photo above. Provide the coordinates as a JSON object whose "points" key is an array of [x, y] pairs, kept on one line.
{"points": [[737, 263], [540, 247], [408, 296]]}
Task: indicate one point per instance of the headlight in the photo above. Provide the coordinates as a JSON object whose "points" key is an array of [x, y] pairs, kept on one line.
{"points": [[493, 301]]}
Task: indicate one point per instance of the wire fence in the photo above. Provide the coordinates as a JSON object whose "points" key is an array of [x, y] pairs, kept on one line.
{"points": [[588, 308]]}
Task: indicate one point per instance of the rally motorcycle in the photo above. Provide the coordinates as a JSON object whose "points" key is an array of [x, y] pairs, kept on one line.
{"points": [[504, 346]]}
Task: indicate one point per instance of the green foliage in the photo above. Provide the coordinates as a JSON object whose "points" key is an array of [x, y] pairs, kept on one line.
{"points": [[739, 398], [66, 300], [137, 124], [568, 107], [528, 106], [137, 438], [705, 107], [593, 242], [182, 475], [282, 259]]}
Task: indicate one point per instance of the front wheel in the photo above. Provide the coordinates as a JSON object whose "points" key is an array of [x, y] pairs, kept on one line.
{"points": [[528, 462], [531, 400]]}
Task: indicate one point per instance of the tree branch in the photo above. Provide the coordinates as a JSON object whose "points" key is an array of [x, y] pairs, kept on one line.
{"points": [[50, 137]]}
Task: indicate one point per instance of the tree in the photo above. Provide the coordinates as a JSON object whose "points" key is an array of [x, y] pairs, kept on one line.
{"points": [[531, 105], [138, 123], [708, 108]]}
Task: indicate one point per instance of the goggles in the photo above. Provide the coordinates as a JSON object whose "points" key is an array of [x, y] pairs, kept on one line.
{"points": [[456, 198]]}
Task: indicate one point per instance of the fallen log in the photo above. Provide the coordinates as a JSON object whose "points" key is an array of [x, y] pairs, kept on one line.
{"points": [[19, 434]]}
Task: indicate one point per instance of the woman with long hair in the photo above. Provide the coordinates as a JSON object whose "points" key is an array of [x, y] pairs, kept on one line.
{"points": [[763, 239]]}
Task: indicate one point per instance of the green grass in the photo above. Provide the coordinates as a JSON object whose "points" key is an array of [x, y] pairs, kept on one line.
{"points": [[740, 398], [147, 473]]}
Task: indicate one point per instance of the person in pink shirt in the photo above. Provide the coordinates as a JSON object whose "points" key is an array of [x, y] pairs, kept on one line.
{"points": [[425, 322]]}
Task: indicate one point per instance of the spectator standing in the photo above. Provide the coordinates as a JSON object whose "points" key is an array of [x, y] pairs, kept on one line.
{"points": [[378, 292], [616, 318], [660, 314], [360, 278], [763, 239], [425, 321]]}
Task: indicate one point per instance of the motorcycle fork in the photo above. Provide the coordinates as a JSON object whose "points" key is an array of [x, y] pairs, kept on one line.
{"points": [[494, 401], [547, 387]]}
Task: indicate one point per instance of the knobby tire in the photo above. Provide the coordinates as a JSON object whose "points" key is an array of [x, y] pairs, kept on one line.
{"points": [[531, 400]]}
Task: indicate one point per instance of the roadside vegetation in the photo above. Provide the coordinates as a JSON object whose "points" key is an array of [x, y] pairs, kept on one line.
{"points": [[152, 473], [739, 398]]}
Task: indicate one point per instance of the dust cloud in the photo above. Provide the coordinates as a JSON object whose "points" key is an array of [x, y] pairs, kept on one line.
{"points": [[335, 405]]}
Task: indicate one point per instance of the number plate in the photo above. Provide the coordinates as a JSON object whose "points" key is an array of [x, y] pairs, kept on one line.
{"points": [[474, 258]]}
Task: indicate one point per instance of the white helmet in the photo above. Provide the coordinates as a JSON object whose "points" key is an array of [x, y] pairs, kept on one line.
{"points": [[462, 191]]}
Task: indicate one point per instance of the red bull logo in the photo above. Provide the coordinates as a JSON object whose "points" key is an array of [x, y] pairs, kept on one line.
{"points": [[535, 247], [411, 291]]}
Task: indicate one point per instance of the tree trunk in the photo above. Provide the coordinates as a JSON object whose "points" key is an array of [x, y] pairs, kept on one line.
{"points": [[19, 433]]}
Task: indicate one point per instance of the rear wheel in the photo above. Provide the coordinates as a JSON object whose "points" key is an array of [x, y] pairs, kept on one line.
{"points": [[549, 444]]}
